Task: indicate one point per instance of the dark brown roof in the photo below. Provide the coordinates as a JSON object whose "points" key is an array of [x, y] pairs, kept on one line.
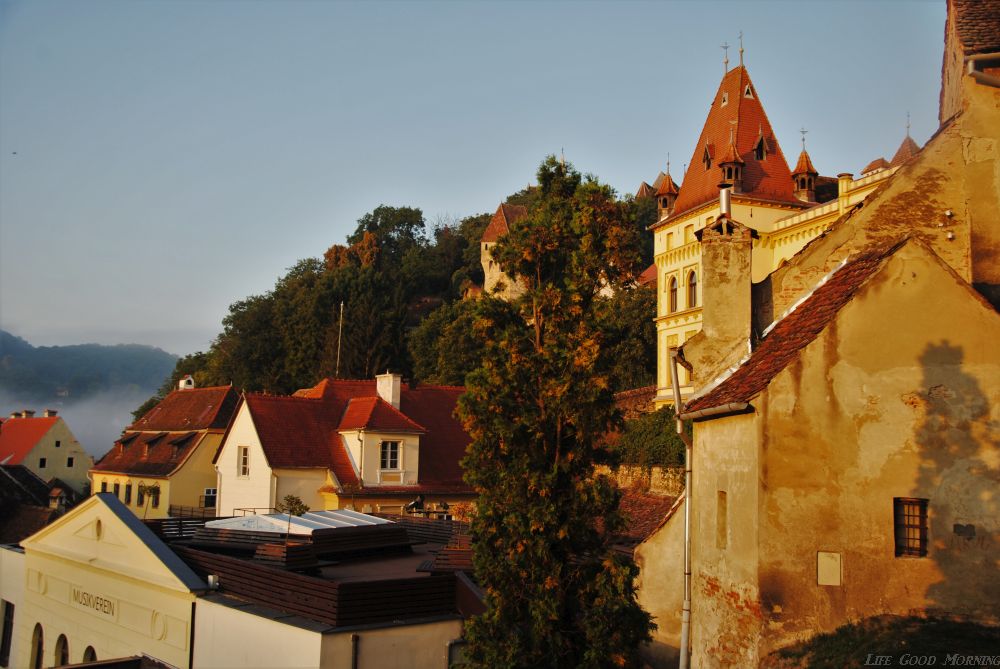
{"points": [[194, 409], [906, 150], [794, 332], [665, 185], [505, 216], [20, 484], [150, 453], [977, 23], [23, 520], [767, 179], [644, 514], [645, 190]]}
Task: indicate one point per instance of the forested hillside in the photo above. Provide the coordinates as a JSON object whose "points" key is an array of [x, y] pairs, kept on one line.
{"points": [[401, 284], [72, 373]]}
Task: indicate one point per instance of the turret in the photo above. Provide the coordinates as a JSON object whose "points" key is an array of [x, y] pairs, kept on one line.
{"points": [[666, 194], [731, 166], [804, 178]]}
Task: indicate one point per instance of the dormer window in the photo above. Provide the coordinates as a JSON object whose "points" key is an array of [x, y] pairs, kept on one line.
{"points": [[706, 158], [748, 92], [725, 99], [760, 149]]}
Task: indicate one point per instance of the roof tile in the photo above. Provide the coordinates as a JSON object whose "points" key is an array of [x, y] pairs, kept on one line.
{"points": [[505, 216], [193, 409], [18, 436]]}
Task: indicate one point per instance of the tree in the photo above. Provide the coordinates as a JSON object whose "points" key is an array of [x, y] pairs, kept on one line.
{"points": [[292, 505], [626, 319], [651, 440], [537, 410], [444, 347]]}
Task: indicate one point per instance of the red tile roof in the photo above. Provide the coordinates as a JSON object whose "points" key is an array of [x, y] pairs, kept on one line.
{"points": [[18, 436], [374, 413], [302, 430], [505, 216], [644, 514], [194, 409], [767, 179], [794, 332], [906, 150], [648, 276], [977, 23], [645, 190], [878, 163], [149, 453], [804, 165], [665, 185]]}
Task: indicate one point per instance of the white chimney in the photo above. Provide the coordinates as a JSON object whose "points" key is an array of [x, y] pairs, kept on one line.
{"points": [[28, 413], [50, 413], [388, 386], [187, 383], [15, 414]]}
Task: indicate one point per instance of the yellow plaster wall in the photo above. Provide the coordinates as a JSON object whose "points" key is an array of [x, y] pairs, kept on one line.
{"points": [[863, 418], [56, 458], [143, 607], [12, 579], [145, 510], [188, 484], [303, 483], [418, 646], [226, 637], [660, 589]]}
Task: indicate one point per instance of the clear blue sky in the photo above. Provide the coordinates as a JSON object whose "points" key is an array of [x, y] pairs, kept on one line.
{"points": [[160, 160]]}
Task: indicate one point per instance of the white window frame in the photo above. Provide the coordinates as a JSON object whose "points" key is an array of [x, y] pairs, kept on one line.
{"points": [[382, 456], [243, 462]]}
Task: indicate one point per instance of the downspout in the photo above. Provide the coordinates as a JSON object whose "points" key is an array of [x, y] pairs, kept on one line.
{"points": [[686, 609], [973, 63]]}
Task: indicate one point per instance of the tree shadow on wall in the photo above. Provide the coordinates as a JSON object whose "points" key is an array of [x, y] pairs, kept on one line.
{"points": [[959, 444]]}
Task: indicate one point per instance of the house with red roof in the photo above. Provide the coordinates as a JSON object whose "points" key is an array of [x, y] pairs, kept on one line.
{"points": [[162, 464], [365, 445], [46, 446]]}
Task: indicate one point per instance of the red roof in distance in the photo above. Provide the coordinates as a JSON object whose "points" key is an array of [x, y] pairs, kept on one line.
{"points": [[804, 165], [18, 436], [505, 216], [743, 119], [906, 150]]}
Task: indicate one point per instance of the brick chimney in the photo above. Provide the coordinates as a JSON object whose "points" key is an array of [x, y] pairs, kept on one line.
{"points": [[726, 247], [389, 386]]}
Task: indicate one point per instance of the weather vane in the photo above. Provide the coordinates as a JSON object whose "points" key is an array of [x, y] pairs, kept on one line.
{"points": [[741, 48], [803, 131]]}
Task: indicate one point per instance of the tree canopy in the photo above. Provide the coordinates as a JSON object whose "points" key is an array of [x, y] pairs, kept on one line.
{"points": [[537, 409]]}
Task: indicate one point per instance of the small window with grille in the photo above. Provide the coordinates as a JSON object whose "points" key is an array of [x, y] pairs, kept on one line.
{"points": [[910, 524]]}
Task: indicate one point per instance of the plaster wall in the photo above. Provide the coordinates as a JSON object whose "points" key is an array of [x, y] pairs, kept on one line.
{"points": [[57, 457], [725, 610], [146, 510], [12, 578], [494, 276], [228, 637], [188, 484], [303, 483], [660, 588], [898, 397], [255, 491], [365, 450], [418, 646]]}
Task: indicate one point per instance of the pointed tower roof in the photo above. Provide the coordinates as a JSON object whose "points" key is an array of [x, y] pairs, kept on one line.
{"points": [[645, 190], [505, 215], [665, 185], [736, 111], [906, 150], [804, 165]]}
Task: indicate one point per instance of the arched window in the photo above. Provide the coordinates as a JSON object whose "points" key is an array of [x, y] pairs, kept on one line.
{"points": [[62, 651], [692, 290], [37, 647], [673, 294], [89, 655]]}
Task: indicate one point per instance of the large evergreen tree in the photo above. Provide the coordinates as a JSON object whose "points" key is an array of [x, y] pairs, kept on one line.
{"points": [[537, 410]]}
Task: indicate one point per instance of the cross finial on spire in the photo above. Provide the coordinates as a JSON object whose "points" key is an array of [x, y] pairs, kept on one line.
{"points": [[725, 61], [668, 163], [741, 48], [803, 131]]}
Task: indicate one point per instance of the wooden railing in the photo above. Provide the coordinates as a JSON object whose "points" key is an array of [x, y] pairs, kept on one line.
{"points": [[431, 530]]}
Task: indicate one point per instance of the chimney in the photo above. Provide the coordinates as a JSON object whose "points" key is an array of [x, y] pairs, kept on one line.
{"points": [[28, 413], [50, 413], [844, 180], [389, 386], [187, 383], [725, 206], [726, 247], [15, 414]]}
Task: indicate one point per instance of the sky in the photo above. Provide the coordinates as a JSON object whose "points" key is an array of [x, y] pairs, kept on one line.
{"points": [[162, 160]]}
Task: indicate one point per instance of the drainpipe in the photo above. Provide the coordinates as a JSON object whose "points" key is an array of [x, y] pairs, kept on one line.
{"points": [[973, 64], [686, 609]]}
